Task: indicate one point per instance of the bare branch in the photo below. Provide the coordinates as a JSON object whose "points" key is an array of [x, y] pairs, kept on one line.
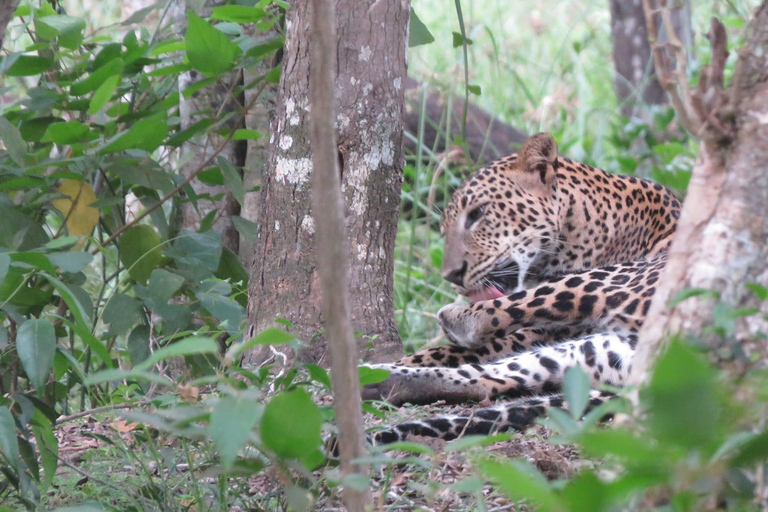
{"points": [[327, 210]]}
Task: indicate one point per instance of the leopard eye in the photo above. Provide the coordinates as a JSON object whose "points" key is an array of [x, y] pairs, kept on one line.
{"points": [[473, 216]]}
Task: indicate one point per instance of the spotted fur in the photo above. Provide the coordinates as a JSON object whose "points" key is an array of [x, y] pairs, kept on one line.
{"points": [[561, 262]]}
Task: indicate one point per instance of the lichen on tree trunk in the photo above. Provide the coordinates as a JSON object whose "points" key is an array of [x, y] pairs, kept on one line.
{"points": [[369, 95]]}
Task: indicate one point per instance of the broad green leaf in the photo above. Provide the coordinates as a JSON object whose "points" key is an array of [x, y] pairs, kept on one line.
{"points": [[237, 13], [147, 134], [576, 388], [418, 34], [459, 40], [759, 290], [139, 15], [138, 344], [28, 65], [33, 259], [691, 292], [121, 313], [103, 94], [48, 447], [232, 421], [78, 310], [163, 284], [140, 251], [318, 374], [291, 427], [519, 480], [209, 50], [248, 229], [475, 89], [72, 261], [196, 253], [233, 181], [214, 297], [19, 232], [79, 216], [65, 133], [117, 374], [13, 142], [683, 406], [371, 375], [112, 68], [185, 347], [36, 346], [269, 336], [8, 443], [586, 492], [68, 28], [246, 134], [262, 50]]}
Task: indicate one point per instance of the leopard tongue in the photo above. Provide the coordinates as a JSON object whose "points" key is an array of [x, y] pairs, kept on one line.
{"points": [[486, 293]]}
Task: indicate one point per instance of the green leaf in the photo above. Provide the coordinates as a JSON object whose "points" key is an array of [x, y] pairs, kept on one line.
{"points": [[291, 427], [458, 40], [73, 261], [248, 229], [48, 447], [147, 134], [237, 13], [8, 443], [138, 344], [418, 34], [269, 336], [371, 375], [5, 265], [576, 388], [474, 89], [196, 253], [586, 492], [246, 134], [36, 346], [318, 374], [97, 78], [262, 50], [118, 374], [519, 480], [754, 450], [13, 142], [65, 133], [68, 28], [103, 94], [28, 65], [185, 347], [78, 310], [759, 290], [232, 420], [208, 49], [233, 180], [683, 406], [140, 251], [691, 292], [121, 313], [163, 284]]}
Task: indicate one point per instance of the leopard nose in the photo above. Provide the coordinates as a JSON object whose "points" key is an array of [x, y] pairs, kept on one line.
{"points": [[456, 275]]}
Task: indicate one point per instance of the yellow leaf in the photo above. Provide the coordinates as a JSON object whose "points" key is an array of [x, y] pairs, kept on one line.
{"points": [[80, 217]]}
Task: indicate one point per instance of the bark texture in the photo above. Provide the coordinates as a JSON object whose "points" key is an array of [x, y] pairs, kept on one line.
{"points": [[722, 238], [7, 8], [636, 83], [369, 99], [328, 212]]}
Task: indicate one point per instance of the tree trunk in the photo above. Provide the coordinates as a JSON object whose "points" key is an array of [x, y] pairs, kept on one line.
{"points": [[369, 95], [7, 8], [635, 83], [722, 239]]}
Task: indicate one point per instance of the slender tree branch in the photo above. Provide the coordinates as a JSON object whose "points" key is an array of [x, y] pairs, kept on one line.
{"points": [[327, 210]]}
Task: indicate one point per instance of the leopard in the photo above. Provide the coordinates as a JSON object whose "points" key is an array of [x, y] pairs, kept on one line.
{"points": [[559, 262]]}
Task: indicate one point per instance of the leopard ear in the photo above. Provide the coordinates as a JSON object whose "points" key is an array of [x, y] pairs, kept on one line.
{"points": [[538, 156]]}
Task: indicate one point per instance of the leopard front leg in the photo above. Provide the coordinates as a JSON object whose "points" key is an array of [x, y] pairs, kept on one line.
{"points": [[587, 299]]}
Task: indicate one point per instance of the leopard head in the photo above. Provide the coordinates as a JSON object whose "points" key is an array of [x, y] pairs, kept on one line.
{"points": [[502, 222]]}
